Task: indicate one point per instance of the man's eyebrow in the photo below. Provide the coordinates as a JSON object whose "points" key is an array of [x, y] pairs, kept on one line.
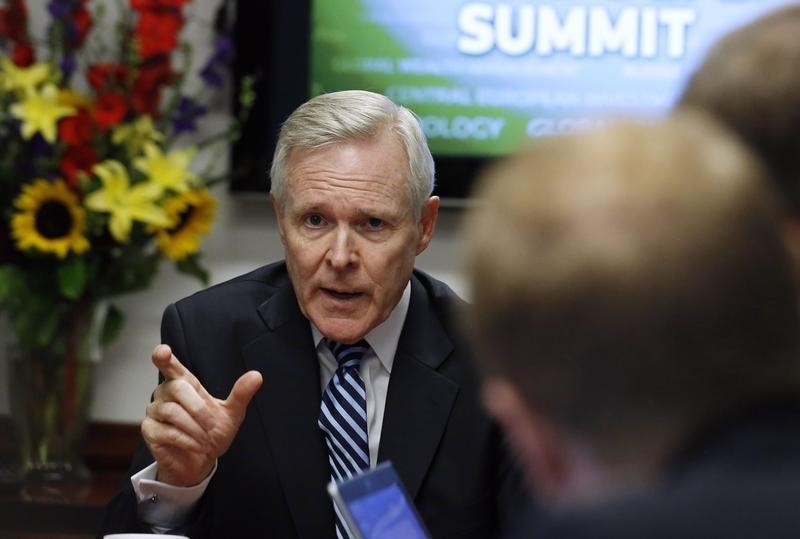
{"points": [[310, 207]]}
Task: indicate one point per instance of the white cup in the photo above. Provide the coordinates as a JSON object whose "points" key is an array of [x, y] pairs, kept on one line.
{"points": [[142, 536]]}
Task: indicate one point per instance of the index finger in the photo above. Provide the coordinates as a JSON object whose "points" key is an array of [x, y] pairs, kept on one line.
{"points": [[172, 369]]}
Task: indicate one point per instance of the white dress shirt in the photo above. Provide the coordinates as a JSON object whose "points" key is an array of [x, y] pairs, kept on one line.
{"points": [[165, 507]]}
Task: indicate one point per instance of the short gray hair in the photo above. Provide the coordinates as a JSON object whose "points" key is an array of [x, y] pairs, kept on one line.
{"points": [[349, 116]]}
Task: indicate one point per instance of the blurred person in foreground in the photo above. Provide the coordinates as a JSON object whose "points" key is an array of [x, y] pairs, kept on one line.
{"points": [[750, 81], [352, 178], [636, 315]]}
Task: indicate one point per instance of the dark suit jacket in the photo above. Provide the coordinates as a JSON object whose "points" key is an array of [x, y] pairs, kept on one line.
{"points": [[271, 482], [738, 478]]}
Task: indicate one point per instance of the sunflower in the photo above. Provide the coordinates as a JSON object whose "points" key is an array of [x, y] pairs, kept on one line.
{"points": [[49, 218], [191, 213]]}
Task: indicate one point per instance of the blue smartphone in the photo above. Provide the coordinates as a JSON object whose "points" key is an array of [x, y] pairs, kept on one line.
{"points": [[375, 505]]}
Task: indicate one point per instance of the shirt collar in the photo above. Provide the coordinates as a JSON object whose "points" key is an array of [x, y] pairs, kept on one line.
{"points": [[384, 337]]}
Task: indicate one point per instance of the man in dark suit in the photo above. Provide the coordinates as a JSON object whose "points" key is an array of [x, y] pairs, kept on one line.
{"points": [[351, 187], [636, 313]]}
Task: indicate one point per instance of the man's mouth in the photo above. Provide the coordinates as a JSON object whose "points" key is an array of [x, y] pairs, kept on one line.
{"points": [[338, 294]]}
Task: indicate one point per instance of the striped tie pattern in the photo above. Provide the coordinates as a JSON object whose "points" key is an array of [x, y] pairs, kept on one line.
{"points": [[343, 418]]}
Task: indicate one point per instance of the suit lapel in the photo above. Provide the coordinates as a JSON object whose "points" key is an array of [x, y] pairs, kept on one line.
{"points": [[288, 405], [419, 399]]}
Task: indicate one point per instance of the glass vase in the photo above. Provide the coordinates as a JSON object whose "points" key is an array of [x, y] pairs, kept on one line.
{"points": [[51, 390]]}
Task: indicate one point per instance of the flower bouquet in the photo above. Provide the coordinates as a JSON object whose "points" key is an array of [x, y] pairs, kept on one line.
{"points": [[98, 184]]}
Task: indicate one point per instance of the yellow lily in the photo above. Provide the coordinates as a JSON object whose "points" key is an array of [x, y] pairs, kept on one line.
{"points": [[71, 98], [125, 203], [170, 170], [40, 112], [25, 79], [135, 135]]}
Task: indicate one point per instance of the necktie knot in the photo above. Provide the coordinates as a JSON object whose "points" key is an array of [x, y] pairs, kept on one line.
{"points": [[348, 355]]}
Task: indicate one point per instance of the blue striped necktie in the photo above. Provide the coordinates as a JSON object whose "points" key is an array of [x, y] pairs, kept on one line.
{"points": [[343, 418]]}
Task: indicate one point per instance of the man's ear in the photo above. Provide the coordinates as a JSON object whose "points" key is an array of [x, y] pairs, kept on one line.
{"points": [[427, 223], [535, 441], [276, 206]]}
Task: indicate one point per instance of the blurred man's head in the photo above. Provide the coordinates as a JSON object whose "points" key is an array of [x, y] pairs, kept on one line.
{"points": [[351, 187], [750, 81], [627, 284]]}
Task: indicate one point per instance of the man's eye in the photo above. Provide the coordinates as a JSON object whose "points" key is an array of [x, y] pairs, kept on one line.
{"points": [[374, 223], [315, 220]]}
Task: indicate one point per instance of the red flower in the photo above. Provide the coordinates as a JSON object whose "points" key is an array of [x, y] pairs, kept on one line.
{"points": [[77, 159], [14, 21], [140, 5], [152, 75], [104, 75], [158, 32], [76, 130], [146, 100], [22, 54], [110, 109], [83, 23]]}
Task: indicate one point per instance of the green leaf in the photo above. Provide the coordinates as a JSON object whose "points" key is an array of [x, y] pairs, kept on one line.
{"points": [[139, 272], [72, 278], [112, 326], [45, 331], [12, 285], [191, 266], [247, 96], [36, 321], [130, 273]]}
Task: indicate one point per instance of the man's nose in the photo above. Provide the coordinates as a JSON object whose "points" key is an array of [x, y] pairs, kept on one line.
{"points": [[341, 253]]}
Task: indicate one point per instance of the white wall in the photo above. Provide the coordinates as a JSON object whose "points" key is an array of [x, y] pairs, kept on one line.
{"points": [[244, 237]]}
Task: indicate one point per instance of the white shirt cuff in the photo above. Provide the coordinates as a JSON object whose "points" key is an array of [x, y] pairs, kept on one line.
{"points": [[165, 507]]}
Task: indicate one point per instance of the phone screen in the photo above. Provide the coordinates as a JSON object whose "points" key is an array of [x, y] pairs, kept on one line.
{"points": [[377, 504], [386, 514]]}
